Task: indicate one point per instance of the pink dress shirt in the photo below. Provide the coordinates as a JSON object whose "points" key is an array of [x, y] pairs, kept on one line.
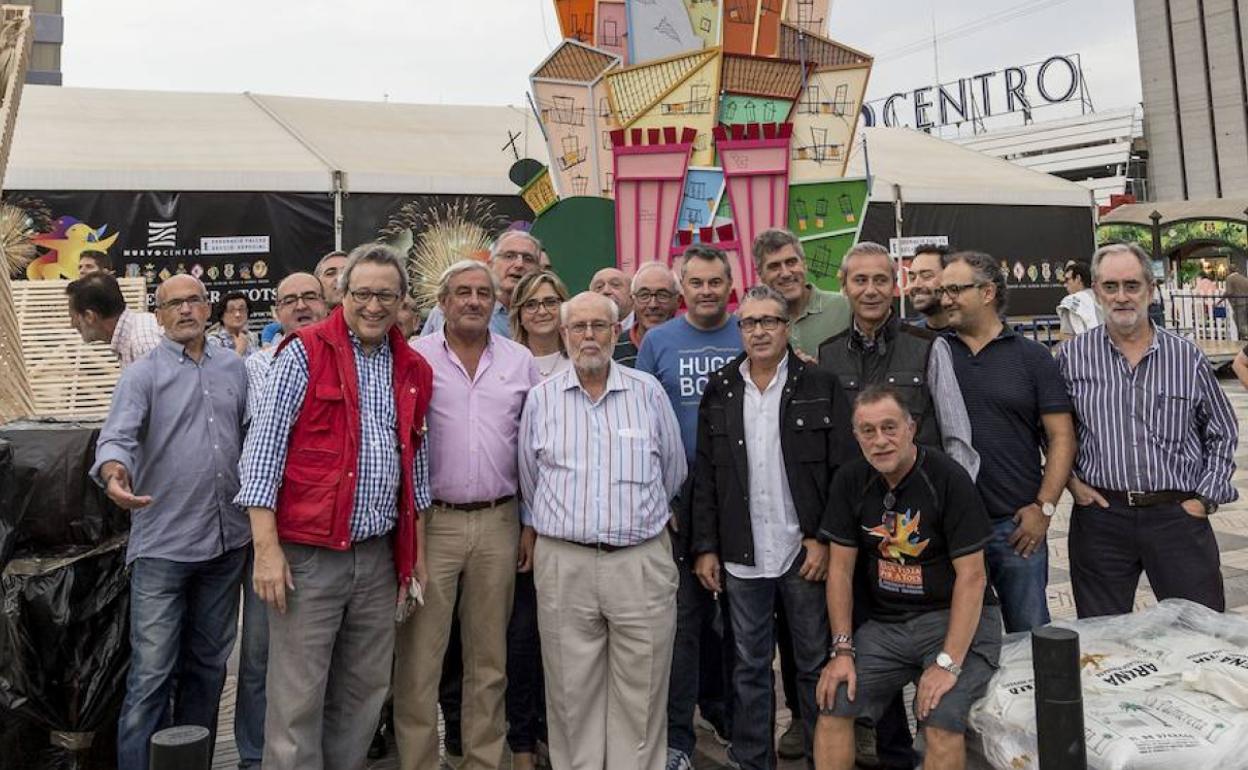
{"points": [[474, 422]]}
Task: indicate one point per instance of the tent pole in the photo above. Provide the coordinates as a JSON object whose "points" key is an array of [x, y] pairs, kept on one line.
{"points": [[897, 219], [339, 191]]}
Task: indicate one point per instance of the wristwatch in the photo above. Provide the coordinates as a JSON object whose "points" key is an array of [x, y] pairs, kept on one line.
{"points": [[945, 661], [1048, 508]]}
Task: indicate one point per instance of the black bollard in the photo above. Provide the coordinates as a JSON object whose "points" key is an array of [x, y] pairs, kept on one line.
{"points": [[180, 748], [1059, 699]]}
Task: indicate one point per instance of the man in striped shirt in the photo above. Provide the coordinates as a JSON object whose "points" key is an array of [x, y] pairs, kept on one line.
{"points": [[600, 458], [97, 311], [1157, 438]]}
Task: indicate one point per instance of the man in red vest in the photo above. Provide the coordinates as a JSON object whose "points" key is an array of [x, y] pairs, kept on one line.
{"points": [[335, 475]]}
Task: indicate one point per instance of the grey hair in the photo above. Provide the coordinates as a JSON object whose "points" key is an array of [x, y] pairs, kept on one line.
{"points": [[986, 269], [763, 292], [563, 309], [865, 248], [203, 290], [708, 254], [667, 271], [772, 240], [374, 254], [320, 265], [1146, 262], [463, 266], [497, 247]]}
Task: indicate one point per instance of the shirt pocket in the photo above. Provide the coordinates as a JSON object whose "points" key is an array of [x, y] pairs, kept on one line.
{"points": [[809, 421], [1170, 418], [911, 383], [630, 458]]}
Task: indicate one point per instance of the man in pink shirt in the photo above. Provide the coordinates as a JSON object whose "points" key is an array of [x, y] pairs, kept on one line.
{"points": [[471, 535]]}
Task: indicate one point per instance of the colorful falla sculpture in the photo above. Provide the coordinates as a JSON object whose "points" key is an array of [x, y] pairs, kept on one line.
{"points": [[672, 122]]}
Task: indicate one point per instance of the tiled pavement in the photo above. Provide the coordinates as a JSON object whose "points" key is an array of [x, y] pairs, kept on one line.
{"points": [[1230, 524]]}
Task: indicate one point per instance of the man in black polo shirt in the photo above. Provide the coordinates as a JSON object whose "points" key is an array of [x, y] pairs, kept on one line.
{"points": [[916, 518], [1019, 409]]}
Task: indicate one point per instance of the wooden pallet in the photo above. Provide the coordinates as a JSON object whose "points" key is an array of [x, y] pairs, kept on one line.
{"points": [[68, 377]]}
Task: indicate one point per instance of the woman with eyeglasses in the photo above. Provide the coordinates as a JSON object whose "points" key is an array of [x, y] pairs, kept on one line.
{"points": [[231, 329], [534, 319]]}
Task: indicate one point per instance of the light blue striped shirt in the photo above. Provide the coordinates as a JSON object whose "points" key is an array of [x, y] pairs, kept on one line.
{"points": [[599, 471], [377, 475], [1164, 425]]}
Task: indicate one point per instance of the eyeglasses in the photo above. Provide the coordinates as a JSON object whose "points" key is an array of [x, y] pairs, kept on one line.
{"points": [[1131, 288], [662, 296], [955, 289], [549, 304], [365, 296], [768, 322], [307, 298], [596, 327], [173, 304], [512, 256]]}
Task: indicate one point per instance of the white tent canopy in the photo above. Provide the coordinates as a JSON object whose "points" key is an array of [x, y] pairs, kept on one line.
{"points": [[932, 170], [103, 139]]}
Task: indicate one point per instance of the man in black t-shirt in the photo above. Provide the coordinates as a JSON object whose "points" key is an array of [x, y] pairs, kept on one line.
{"points": [[916, 517]]}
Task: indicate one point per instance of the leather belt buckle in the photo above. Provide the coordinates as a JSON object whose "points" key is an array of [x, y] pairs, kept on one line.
{"points": [[1135, 499]]}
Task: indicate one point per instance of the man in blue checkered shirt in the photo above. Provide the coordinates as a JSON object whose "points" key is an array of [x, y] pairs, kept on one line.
{"points": [[336, 474]]}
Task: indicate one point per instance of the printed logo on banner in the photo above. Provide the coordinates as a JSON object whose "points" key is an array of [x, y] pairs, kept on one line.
{"points": [[162, 235]]}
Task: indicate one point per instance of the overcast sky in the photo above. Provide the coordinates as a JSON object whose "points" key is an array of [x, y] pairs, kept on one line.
{"points": [[482, 51]]}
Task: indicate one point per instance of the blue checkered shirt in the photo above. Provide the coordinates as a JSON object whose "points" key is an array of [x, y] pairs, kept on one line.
{"points": [[377, 474]]}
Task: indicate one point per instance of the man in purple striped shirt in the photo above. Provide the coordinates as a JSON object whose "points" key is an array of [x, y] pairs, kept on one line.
{"points": [[1157, 438], [600, 459], [471, 535]]}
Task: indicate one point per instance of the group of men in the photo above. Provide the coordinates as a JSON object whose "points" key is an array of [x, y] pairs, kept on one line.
{"points": [[812, 472]]}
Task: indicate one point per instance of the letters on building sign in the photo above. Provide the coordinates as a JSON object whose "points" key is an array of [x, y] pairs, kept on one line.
{"points": [[1011, 90]]}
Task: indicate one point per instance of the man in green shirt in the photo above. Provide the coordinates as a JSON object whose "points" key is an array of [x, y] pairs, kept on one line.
{"points": [[816, 314]]}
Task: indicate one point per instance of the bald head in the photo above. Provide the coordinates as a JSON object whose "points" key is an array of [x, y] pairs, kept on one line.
{"points": [[613, 282], [182, 309], [591, 305], [179, 284], [589, 332], [300, 302]]}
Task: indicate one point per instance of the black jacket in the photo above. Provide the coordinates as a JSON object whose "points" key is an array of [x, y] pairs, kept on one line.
{"points": [[815, 438]]}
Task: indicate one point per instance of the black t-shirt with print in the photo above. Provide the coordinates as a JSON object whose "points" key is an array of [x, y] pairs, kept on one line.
{"points": [[908, 536]]}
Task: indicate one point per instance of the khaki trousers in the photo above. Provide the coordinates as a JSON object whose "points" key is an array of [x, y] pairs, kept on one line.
{"points": [[477, 549], [608, 623]]}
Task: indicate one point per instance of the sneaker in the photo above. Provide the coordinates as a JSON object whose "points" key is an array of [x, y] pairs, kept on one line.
{"points": [[717, 732], [677, 760], [792, 742]]}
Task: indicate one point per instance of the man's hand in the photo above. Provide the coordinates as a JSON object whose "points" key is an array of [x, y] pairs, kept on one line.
{"points": [[815, 568], [524, 557], [117, 487], [1195, 508], [1033, 525], [271, 575], [839, 669], [933, 685], [707, 570], [241, 341], [1085, 495]]}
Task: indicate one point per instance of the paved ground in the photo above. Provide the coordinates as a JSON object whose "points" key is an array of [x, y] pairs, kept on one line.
{"points": [[1231, 525]]}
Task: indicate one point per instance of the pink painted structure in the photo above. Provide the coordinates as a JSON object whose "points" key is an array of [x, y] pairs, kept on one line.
{"points": [[649, 180], [755, 159], [725, 239]]}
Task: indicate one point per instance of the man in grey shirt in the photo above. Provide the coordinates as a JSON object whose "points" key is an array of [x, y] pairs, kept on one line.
{"points": [[169, 453]]}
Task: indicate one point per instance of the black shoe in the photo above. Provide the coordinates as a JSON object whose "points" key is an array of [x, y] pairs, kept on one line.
{"points": [[378, 748]]}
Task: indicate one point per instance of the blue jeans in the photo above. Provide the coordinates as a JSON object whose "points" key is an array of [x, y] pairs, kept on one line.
{"points": [[754, 631], [183, 617], [1020, 583], [701, 673], [253, 665]]}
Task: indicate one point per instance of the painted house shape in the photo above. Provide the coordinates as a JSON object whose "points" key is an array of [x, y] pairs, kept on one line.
{"points": [[706, 17], [576, 19], [809, 15], [659, 29], [752, 26], [825, 119], [757, 89], [611, 28], [568, 94], [679, 91]]}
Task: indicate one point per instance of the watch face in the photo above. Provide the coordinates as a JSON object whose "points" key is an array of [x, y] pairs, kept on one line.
{"points": [[944, 660]]}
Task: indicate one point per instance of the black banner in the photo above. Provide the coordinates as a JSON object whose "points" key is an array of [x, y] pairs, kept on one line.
{"points": [[1033, 243], [232, 241]]}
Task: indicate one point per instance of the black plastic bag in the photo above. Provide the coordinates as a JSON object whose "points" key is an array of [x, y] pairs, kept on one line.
{"points": [[64, 650], [52, 502], [10, 514]]}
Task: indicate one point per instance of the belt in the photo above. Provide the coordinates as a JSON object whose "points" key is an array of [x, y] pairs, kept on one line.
{"points": [[477, 506], [603, 547], [1133, 499]]}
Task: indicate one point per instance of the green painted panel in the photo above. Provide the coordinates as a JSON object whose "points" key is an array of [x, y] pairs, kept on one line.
{"points": [[827, 217], [736, 109], [579, 235]]}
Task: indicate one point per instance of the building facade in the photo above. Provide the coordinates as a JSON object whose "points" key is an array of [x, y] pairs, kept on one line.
{"points": [[45, 52], [1195, 88]]}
